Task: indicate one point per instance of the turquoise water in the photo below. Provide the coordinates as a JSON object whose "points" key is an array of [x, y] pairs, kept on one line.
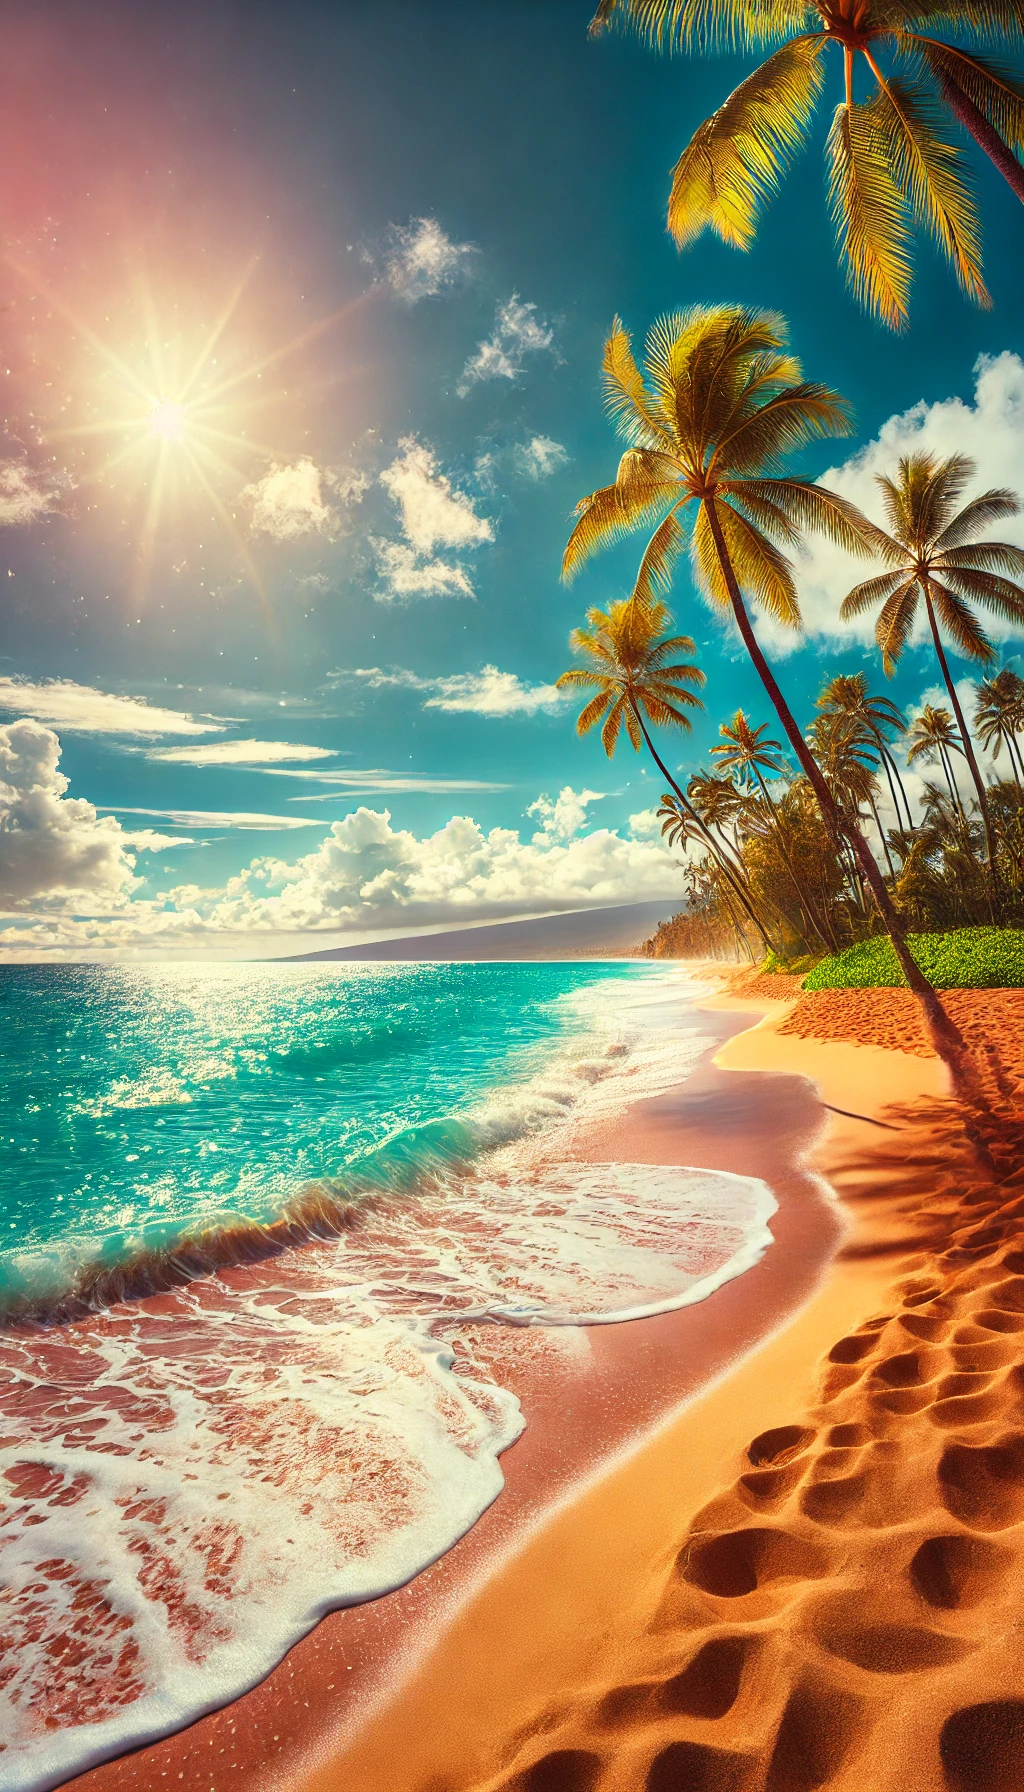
{"points": [[138, 1104], [281, 1242]]}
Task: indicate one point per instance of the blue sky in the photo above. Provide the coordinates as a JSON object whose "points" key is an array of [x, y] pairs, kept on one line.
{"points": [[428, 215]]}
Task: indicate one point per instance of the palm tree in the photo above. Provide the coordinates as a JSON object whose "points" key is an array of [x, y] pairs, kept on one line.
{"points": [[745, 750], [630, 667], [891, 164], [999, 717], [709, 423], [934, 556], [847, 695], [847, 757], [933, 735]]}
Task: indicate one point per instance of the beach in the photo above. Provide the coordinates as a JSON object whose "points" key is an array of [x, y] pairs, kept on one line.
{"points": [[593, 1629]]}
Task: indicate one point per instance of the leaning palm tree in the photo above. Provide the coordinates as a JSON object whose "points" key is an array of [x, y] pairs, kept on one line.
{"points": [[933, 735], [999, 717], [709, 423], [891, 163], [639, 682], [847, 695], [934, 558]]}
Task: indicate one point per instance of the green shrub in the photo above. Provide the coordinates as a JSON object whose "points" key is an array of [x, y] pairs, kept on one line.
{"points": [[969, 958]]}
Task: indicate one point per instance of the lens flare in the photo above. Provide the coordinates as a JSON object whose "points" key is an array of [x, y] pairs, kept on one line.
{"points": [[168, 420]]}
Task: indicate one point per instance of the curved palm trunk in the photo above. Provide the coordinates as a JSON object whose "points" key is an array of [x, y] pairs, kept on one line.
{"points": [[807, 908], [968, 746], [719, 857], [892, 771], [881, 835], [947, 1038], [985, 135]]}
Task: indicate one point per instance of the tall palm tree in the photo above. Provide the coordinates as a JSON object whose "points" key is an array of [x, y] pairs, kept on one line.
{"points": [[891, 163], [933, 735], [847, 695], [709, 423], [639, 682], [934, 557], [999, 717], [746, 751], [849, 759]]}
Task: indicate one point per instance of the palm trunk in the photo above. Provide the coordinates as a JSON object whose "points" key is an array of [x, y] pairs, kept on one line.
{"points": [[891, 770], [948, 1040], [716, 852], [954, 794], [806, 906], [881, 835], [968, 746], [985, 135]]}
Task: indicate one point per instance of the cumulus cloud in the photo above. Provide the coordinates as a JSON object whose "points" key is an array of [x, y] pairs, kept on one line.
{"points": [[52, 847], [240, 752], [990, 431], [518, 332], [419, 261], [367, 874], [434, 516], [27, 492], [488, 692], [82, 709], [294, 500]]}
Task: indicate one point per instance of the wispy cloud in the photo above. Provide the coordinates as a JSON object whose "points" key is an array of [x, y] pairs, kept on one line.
{"points": [[240, 752], [240, 820], [27, 492], [295, 500], [434, 516], [489, 692], [381, 783], [419, 261], [518, 332], [539, 457], [82, 709]]}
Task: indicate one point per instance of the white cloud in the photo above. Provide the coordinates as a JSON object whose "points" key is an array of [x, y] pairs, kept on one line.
{"points": [[539, 457], [291, 501], [52, 847], [561, 819], [990, 431], [518, 332], [240, 752], [381, 783], [27, 492], [68, 887], [433, 516], [148, 840], [418, 260], [240, 819], [82, 709], [488, 692]]}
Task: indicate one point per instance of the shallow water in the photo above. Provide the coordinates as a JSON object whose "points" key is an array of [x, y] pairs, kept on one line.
{"points": [[195, 1477]]}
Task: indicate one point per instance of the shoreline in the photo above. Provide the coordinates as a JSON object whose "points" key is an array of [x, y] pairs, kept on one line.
{"points": [[628, 1386], [481, 1703]]}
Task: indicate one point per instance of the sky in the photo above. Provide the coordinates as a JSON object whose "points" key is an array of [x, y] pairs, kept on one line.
{"points": [[302, 310]]}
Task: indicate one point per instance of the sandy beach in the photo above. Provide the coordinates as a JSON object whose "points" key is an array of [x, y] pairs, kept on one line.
{"points": [[755, 1542]]}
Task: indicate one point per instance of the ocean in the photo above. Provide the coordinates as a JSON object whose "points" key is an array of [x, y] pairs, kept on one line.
{"points": [[256, 1219]]}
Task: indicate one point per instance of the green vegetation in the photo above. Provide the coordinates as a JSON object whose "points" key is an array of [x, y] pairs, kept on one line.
{"points": [[968, 958]]}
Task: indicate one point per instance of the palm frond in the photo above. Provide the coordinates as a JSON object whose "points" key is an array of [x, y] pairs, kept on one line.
{"points": [[895, 621], [999, 595], [811, 506], [870, 215], [929, 171], [592, 712], [659, 558], [625, 396], [712, 24], [893, 583], [997, 92], [606, 516], [959, 622], [737, 158], [990, 507], [760, 568], [984, 556], [782, 424]]}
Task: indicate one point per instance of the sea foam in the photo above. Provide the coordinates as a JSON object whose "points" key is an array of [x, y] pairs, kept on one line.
{"points": [[195, 1478]]}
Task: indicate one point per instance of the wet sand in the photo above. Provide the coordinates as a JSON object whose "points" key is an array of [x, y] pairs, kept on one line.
{"points": [[585, 1406]]}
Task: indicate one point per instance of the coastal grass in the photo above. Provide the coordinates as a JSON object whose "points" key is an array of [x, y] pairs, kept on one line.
{"points": [[966, 958]]}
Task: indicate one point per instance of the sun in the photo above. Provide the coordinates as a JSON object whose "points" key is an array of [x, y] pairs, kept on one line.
{"points": [[168, 420]]}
